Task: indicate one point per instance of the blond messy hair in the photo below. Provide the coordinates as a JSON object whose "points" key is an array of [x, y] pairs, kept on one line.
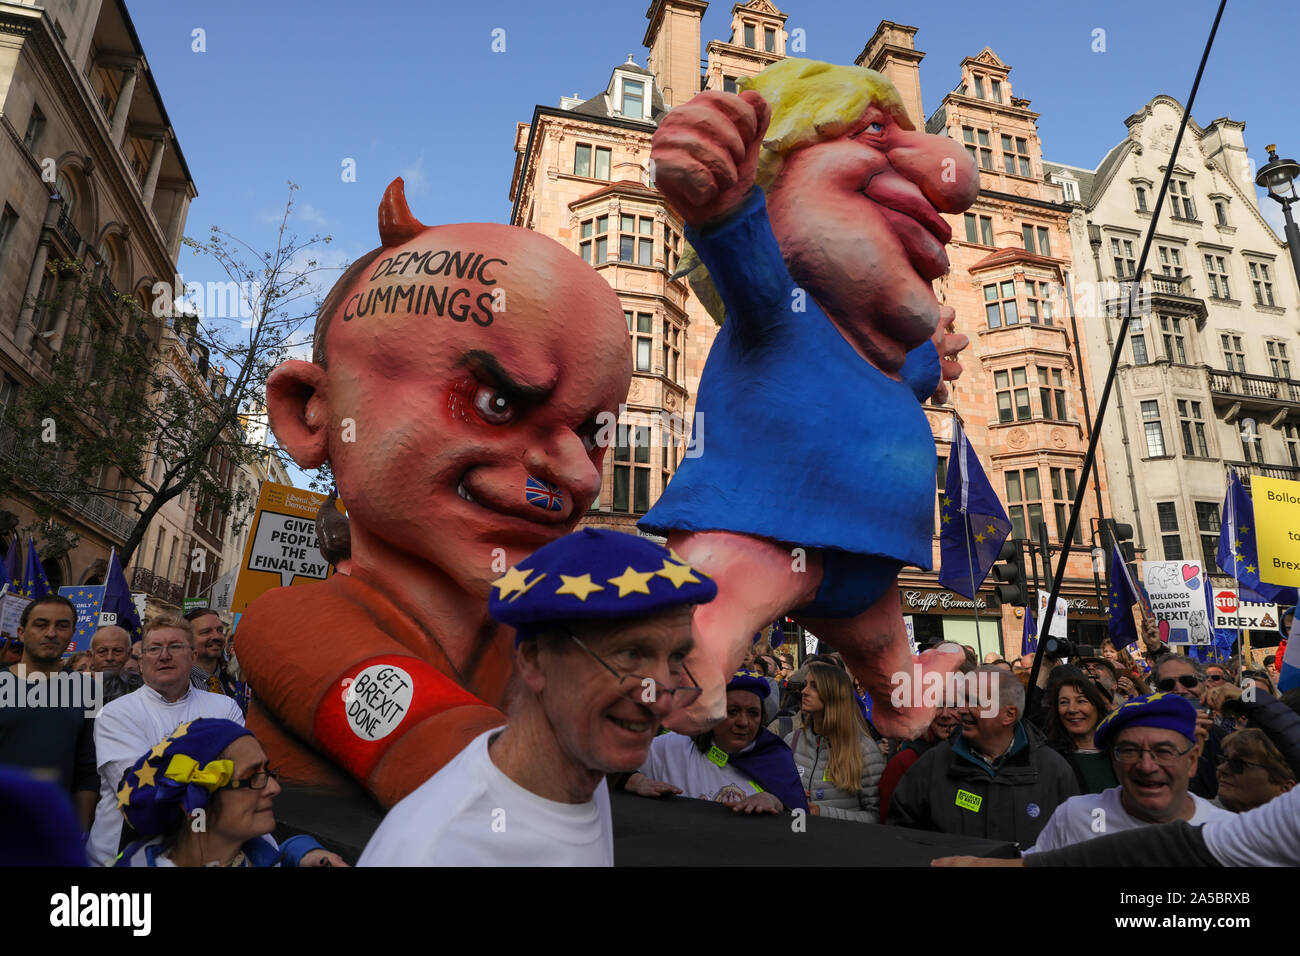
{"points": [[811, 101], [168, 619]]}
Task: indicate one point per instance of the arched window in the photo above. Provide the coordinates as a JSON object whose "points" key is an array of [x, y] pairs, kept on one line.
{"points": [[109, 259], [67, 196]]}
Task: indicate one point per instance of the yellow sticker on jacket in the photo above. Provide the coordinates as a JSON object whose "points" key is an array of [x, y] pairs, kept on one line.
{"points": [[717, 755], [969, 801]]}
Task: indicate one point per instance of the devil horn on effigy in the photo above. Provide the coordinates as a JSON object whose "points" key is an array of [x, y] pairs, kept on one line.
{"points": [[396, 224]]}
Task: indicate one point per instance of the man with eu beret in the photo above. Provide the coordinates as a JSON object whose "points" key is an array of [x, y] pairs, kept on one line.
{"points": [[1153, 747], [602, 629]]}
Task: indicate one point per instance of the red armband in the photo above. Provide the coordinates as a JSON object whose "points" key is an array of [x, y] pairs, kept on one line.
{"points": [[377, 701]]}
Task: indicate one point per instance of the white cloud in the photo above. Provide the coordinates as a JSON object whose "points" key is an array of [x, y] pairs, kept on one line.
{"points": [[417, 183], [309, 213], [302, 212]]}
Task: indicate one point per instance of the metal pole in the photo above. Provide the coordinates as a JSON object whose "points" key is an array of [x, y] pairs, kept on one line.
{"points": [[1090, 457], [1292, 237], [1083, 391], [1047, 570]]}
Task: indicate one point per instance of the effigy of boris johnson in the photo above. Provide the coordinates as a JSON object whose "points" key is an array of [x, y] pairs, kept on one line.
{"points": [[469, 366]]}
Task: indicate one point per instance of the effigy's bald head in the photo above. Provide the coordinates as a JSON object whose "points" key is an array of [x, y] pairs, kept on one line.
{"points": [[457, 378]]}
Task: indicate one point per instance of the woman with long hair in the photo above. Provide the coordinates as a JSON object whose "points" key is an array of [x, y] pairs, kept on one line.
{"points": [[1074, 709], [839, 763]]}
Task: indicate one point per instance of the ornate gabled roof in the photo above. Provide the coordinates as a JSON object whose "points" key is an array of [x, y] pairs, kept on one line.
{"points": [[987, 57]]}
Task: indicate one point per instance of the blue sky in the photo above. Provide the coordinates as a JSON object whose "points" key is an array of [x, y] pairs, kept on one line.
{"points": [[289, 89]]}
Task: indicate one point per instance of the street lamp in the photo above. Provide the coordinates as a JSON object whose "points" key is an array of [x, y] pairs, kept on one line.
{"points": [[1278, 177]]}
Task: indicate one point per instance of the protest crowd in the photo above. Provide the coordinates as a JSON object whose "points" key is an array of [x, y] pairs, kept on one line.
{"points": [[1135, 737]]}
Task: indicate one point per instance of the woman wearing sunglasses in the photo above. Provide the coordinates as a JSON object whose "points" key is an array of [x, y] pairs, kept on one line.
{"points": [[1251, 772], [202, 797]]}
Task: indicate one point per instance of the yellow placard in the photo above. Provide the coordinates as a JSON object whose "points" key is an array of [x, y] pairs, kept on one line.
{"points": [[1277, 529], [282, 548]]}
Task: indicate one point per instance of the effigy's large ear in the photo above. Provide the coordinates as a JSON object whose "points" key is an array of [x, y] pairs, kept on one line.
{"points": [[396, 224], [296, 407]]}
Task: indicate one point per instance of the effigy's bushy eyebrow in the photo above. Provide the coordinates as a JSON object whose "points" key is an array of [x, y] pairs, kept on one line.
{"points": [[486, 364]]}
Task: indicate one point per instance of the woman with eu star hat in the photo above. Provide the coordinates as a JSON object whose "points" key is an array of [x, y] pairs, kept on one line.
{"points": [[202, 797], [737, 762]]}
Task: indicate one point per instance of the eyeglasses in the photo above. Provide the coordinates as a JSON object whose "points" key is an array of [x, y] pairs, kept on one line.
{"points": [[1166, 755], [634, 686], [1214, 678], [1167, 684], [1236, 765], [173, 649], [255, 781]]}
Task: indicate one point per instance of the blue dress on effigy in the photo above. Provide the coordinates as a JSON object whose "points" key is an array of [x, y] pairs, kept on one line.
{"points": [[795, 437]]}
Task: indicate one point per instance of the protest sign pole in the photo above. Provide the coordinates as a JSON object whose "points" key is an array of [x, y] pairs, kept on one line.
{"points": [[974, 598], [1236, 581]]}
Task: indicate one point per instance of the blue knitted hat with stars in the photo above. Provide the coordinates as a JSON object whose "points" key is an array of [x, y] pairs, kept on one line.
{"points": [[1164, 710], [178, 776], [595, 573]]}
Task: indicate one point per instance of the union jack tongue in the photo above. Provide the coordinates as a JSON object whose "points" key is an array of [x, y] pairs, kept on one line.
{"points": [[543, 494]]}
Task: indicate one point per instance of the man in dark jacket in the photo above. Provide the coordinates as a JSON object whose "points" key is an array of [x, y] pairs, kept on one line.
{"points": [[997, 779]]}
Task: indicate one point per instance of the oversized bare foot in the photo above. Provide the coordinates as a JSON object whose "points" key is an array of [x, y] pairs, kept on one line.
{"points": [[757, 581], [874, 646]]}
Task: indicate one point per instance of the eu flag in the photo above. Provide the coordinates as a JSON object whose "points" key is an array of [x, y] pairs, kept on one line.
{"points": [[1238, 554], [973, 522], [1119, 616], [117, 599], [34, 583], [14, 564], [1029, 638], [87, 599], [1288, 676], [1222, 640]]}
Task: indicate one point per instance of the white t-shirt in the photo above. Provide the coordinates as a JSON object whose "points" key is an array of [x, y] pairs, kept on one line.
{"points": [[1266, 836], [125, 730], [674, 759], [469, 813], [1098, 814]]}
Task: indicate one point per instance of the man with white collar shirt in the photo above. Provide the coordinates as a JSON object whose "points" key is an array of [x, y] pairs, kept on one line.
{"points": [[129, 726]]}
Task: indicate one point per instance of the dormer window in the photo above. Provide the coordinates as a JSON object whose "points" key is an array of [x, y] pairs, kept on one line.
{"points": [[997, 90], [979, 87], [749, 36], [633, 99], [769, 39], [1069, 190]]}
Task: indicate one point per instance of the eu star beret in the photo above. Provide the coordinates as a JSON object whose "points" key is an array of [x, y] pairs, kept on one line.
{"points": [[1164, 710], [752, 681], [595, 573]]}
